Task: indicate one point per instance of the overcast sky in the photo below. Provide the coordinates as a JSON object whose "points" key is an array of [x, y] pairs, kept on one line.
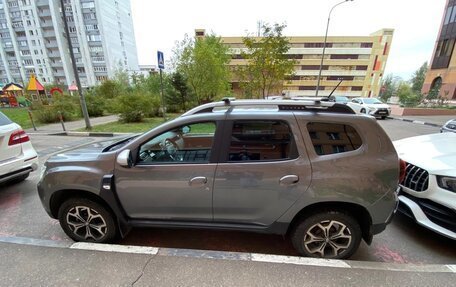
{"points": [[159, 24]]}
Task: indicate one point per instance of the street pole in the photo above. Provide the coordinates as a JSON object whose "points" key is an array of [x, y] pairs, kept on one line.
{"points": [[324, 45], [162, 95], [85, 113]]}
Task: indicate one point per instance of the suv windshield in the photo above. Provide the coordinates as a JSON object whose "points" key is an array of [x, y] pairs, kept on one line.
{"points": [[372, 101], [4, 120]]}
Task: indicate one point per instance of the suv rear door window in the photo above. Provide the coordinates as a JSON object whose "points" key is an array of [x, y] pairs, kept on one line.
{"points": [[329, 138], [261, 140]]}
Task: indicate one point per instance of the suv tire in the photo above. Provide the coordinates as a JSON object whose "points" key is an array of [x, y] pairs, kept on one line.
{"points": [[330, 234], [87, 221]]}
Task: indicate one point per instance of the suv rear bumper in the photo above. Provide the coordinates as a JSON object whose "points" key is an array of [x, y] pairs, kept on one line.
{"points": [[18, 167]]}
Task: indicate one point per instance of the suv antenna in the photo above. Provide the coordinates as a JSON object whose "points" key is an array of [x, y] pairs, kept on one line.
{"points": [[341, 80]]}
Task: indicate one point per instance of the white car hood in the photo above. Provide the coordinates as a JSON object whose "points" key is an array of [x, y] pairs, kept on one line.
{"points": [[435, 152]]}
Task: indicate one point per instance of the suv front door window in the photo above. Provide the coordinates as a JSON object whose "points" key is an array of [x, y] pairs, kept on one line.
{"points": [[173, 175]]}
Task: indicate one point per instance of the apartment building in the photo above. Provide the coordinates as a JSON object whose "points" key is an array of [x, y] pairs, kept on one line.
{"points": [[33, 40], [357, 60], [442, 72]]}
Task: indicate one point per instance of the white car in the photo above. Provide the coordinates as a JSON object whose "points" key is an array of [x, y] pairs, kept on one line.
{"points": [[428, 191], [17, 156], [370, 106]]}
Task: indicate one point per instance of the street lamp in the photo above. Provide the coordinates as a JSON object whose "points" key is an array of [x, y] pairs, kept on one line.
{"points": [[324, 45]]}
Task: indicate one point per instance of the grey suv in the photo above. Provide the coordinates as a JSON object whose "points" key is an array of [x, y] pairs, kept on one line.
{"points": [[310, 169]]}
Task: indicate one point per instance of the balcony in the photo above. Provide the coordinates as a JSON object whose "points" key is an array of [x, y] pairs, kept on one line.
{"points": [[41, 3], [51, 44], [48, 34]]}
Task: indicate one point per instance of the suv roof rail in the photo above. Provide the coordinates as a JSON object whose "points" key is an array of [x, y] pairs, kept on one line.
{"points": [[317, 104]]}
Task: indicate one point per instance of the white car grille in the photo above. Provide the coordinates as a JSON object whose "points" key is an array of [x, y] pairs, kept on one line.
{"points": [[416, 178]]}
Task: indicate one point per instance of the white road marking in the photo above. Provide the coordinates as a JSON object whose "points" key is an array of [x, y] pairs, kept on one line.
{"points": [[298, 260], [115, 248], [452, 268]]}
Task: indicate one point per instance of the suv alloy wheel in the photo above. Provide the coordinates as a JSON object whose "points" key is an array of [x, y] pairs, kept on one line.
{"points": [[330, 234], [87, 221]]}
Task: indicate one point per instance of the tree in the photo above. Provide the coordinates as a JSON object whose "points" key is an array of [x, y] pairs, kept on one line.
{"points": [[389, 88], [267, 65], [418, 78], [179, 84], [406, 96], [203, 62]]}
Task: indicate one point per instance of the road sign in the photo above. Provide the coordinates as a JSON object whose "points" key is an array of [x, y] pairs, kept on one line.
{"points": [[161, 60]]}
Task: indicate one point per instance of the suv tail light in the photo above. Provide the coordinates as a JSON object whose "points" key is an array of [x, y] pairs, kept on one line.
{"points": [[402, 167], [18, 137]]}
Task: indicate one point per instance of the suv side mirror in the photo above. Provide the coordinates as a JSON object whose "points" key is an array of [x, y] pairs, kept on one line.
{"points": [[124, 158]]}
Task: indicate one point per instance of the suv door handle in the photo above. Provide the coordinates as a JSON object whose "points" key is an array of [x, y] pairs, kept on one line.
{"points": [[198, 181], [289, 179]]}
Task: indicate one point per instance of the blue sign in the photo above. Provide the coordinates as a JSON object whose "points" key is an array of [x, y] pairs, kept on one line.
{"points": [[161, 60]]}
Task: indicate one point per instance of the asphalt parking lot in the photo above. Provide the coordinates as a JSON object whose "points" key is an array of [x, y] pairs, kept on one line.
{"points": [[21, 215]]}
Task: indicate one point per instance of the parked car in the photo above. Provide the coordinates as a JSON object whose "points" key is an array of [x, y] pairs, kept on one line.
{"points": [[313, 170], [428, 191], [17, 156], [339, 99], [370, 106], [449, 126]]}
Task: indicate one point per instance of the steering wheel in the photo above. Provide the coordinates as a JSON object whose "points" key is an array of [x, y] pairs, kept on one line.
{"points": [[172, 148]]}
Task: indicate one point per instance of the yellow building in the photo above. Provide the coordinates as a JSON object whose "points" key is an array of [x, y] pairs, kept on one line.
{"points": [[358, 60], [442, 71]]}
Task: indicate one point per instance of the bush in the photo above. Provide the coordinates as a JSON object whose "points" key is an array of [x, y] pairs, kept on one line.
{"points": [[406, 97], [95, 105], [50, 113], [133, 107]]}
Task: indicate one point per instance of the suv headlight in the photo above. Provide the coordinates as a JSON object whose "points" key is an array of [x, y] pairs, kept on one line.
{"points": [[447, 182]]}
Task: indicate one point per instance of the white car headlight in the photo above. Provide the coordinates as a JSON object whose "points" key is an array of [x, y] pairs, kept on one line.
{"points": [[447, 182]]}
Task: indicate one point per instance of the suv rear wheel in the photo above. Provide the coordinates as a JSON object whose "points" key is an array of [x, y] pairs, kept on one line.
{"points": [[87, 221], [330, 234]]}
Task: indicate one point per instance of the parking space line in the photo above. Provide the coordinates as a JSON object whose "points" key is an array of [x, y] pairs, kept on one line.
{"points": [[115, 248], [299, 260]]}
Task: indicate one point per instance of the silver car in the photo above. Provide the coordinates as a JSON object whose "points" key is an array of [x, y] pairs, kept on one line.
{"points": [[311, 169]]}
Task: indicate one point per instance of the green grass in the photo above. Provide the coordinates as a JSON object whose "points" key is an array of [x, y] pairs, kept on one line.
{"points": [[19, 116], [119, 127]]}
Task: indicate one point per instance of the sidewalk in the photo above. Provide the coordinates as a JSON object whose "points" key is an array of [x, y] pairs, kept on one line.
{"points": [[74, 125], [436, 121], [25, 265]]}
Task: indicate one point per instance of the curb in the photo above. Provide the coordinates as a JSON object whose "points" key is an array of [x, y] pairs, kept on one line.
{"points": [[240, 256], [415, 122]]}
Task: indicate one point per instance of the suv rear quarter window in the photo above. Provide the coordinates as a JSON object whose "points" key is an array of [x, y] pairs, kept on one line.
{"points": [[331, 138], [4, 120]]}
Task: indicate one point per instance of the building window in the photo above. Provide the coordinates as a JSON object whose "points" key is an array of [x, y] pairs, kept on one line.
{"points": [[15, 14], [338, 78], [361, 68], [317, 45], [81, 70], [92, 38], [314, 67], [98, 59], [311, 88], [366, 45], [448, 15], [5, 35], [76, 50], [91, 27], [70, 19], [357, 88], [89, 16], [101, 78], [88, 5], [17, 24], [100, 69], [13, 4], [72, 29], [23, 43], [28, 62], [343, 56]]}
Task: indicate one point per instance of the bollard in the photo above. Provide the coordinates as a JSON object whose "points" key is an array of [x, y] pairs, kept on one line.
{"points": [[31, 119], [61, 121]]}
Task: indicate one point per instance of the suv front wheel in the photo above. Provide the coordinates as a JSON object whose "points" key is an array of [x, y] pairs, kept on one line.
{"points": [[329, 234], [87, 221]]}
